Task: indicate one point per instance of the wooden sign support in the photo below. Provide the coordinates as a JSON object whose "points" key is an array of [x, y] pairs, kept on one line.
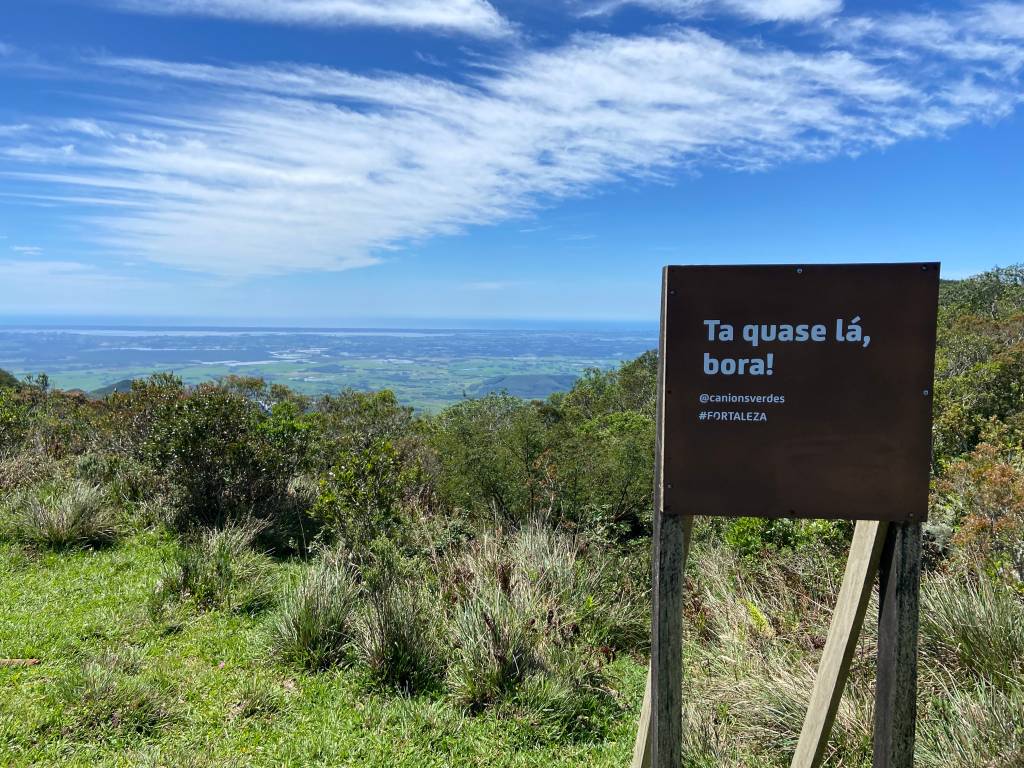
{"points": [[797, 392], [894, 551]]}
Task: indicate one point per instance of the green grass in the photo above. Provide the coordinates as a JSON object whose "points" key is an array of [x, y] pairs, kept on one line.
{"points": [[208, 693]]}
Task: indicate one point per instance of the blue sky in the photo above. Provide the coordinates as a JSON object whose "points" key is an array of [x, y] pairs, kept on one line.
{"points": [[338, 161]]}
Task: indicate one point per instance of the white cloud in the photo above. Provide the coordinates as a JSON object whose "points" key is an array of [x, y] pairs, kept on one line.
{"points": [[27, 250], [249, 170], [490, 286], [474, 17], [755, 10], [35, 286]]}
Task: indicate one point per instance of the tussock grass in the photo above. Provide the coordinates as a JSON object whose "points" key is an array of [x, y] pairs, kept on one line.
{"points": [[970, 725], [976, 624], [534, 622], [108, 696], [315, 623], [62, 516], [398, 629], [218, 570]]}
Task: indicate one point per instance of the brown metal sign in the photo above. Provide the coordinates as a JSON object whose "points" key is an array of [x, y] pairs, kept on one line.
{"points": [[798, 391]]}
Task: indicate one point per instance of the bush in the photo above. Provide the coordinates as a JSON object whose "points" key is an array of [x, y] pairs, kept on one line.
{"points": [[130, 481], [223, 465], [604, 470], [217, 570], [753, 537], [492, 459], [361, 497], [397, 638], [983, 494], [63, 516], [315, 624]]}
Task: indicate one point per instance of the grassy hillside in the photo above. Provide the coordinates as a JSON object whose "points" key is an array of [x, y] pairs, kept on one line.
{"points": [[236, 574]]}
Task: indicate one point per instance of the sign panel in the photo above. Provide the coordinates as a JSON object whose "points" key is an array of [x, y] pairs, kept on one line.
{"points": [[798, 391]]}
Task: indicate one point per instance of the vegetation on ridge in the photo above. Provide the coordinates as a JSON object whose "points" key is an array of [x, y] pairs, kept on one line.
{"points": [[236, 574]]}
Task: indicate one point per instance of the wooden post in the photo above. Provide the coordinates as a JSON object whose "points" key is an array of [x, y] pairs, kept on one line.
{"points": [[661, 721], [642, 747], [896, 687], [847, 620]]}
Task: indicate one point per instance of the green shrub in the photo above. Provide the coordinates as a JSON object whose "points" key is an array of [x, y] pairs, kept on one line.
{"points": [[754, 536], [130, 481], [217, 570], [492, 459], [361, 497], [14, 421], [315, 624], [8, 380], [603, 470], [62, 516], [224, 467]]}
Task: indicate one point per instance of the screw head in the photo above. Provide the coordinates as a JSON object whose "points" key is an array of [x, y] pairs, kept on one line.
{"points": [[926, 392]]}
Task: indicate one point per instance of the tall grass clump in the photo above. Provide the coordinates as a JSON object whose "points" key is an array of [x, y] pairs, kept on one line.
{"points": [[217, 570], [972, 725], [397, 638], [62, 516], [974, 623], [315, 624], [533, 623], [113, 697]]}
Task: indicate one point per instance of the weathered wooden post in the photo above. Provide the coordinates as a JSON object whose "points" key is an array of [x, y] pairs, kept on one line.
{"points": [[896, 685]]}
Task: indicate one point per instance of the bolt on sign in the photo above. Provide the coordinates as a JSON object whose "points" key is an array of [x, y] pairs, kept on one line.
{"points": [[799, 391]]}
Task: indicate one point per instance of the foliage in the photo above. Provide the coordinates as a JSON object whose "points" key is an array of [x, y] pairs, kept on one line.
{"points": [[8, 380], [492, 459], [61, 516], [757, 536], [217, 570], [315, 623], [226, 465], [397, 638], [361, 497], [983, 494]]}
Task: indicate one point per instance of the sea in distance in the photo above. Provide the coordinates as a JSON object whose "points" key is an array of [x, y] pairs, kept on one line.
{"points": [[427, 367]]}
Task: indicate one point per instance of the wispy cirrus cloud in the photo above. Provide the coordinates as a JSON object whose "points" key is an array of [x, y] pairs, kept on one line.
{"points": [[473, 17], [27, 250], [245, 170], [37, 285], [755, 10]]}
